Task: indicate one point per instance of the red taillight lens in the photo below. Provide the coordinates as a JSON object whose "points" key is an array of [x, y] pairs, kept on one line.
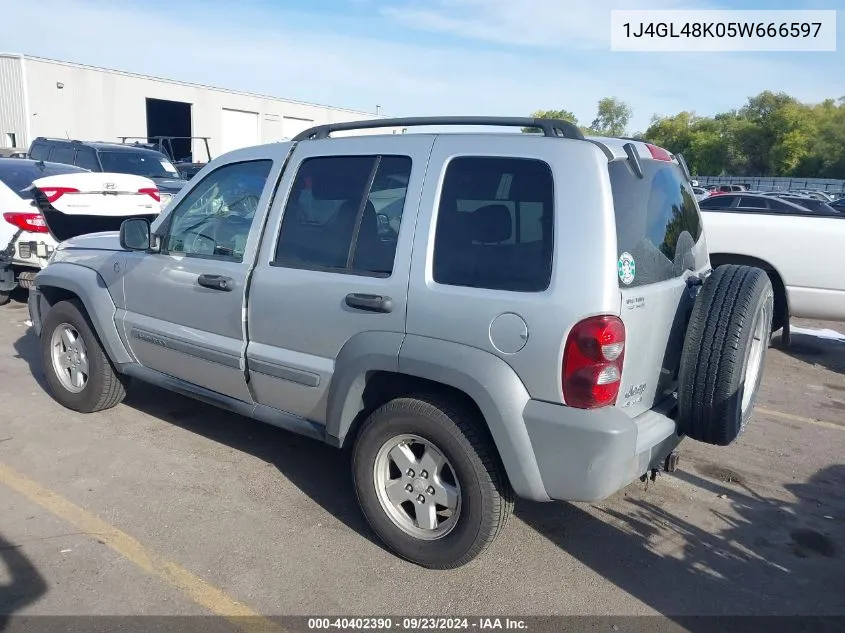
{"points": [[592, 362], [151, 192], [658, 153], [54, 193], [32, 222]]}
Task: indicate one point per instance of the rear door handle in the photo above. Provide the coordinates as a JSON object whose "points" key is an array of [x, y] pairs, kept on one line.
{"points": [[369, 303], [216, 282]]}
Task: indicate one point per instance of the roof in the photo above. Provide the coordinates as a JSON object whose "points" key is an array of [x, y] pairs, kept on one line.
{"points": [[188, 84]]}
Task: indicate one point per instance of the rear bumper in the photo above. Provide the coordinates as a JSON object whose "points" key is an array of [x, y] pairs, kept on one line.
{"points": [[588, 455]]}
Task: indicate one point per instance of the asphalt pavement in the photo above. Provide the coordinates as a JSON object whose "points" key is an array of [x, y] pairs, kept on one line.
{"points": [[166, 506]]}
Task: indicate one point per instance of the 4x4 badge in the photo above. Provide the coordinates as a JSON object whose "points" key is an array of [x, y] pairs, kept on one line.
{"points": [[627, 268]]}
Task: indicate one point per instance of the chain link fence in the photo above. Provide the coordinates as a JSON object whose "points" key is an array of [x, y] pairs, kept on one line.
{"points": [[776, 184]]}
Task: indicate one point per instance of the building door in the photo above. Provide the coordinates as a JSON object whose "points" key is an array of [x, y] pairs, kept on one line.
{"points": [[240, 129]]}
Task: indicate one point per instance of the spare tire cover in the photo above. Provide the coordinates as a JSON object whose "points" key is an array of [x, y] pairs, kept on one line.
{"points": [[724, 354]]}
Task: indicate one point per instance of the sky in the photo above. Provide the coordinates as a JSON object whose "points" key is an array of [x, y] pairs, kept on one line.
{"points": [[420, 57]]}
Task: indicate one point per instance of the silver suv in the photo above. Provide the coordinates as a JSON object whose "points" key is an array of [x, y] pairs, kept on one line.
{"points": [[475, 315]]}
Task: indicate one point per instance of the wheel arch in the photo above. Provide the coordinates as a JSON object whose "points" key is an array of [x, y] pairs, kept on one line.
{"points": [[374, 368], [62, 282]]}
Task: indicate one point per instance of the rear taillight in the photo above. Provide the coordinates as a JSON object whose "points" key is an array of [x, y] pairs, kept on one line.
{"points": [[32, 222], [658, 153], [152, 192], [54, 193], [592, 362]]}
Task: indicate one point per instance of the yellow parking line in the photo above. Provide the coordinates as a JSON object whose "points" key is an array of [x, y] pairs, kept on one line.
{"points": [[798, 418], [194, 587]]}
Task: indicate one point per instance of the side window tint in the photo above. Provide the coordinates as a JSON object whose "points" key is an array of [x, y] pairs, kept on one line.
{"points": [[39, 151], [344, 214], [495, 224], [215, 218], [657, 220], [747, 202], [717, 202], [87, 159], [62, 155]]}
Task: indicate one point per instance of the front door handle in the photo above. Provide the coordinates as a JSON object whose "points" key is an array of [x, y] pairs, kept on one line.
{"points": [[369, 303], [216, 282]]}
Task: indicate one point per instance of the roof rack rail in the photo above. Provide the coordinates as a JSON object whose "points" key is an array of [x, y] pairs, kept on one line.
{"points": [[549, 127]]}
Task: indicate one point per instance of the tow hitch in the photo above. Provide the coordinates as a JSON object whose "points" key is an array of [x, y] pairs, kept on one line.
{"points": [[670, 465]]}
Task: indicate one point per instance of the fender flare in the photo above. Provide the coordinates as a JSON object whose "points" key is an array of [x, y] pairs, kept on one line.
{"points": [[485, 378], [91, 289]]}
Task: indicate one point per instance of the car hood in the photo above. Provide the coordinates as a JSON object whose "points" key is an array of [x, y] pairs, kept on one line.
{"points": [[103, 241], [170, 185]]}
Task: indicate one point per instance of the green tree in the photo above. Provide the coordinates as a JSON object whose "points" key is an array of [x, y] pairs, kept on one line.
{"points": [[612, 117], [561, 115]]}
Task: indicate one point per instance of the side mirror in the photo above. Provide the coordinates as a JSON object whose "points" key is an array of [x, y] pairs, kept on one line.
{"points": [[135, 234]]}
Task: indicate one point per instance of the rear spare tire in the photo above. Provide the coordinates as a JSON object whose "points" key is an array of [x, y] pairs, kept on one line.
{"points": [[724, 354]]}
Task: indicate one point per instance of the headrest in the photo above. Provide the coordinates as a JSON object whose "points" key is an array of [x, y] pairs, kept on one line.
{"points": [[492, 224]]}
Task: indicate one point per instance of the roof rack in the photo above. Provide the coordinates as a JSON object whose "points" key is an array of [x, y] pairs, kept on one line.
{"points": [[549, 127]]}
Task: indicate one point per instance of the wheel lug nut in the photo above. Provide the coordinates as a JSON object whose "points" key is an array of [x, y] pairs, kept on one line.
{"points": [[410, 473], [431, 490], [424, 474], [409, 487], [421, 499]]}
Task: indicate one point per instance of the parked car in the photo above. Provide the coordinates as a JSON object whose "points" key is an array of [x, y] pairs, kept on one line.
{"points": [[799, 248], [50, 202], [120, 158], [700, 193], [277, 287], [813, 204], [25, 242], [839, 204]]}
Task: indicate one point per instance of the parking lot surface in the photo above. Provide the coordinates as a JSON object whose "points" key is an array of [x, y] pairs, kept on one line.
{"points": [[167, 506]]}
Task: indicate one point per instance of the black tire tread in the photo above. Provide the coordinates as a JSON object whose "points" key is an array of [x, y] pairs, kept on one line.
{"points": [[712, 349], [112, 389], [465, 424], [5, 297]]}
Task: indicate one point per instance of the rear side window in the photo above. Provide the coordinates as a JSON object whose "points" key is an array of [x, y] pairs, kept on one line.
{"points": [[62, 155], [657, 222], [495, 224]]}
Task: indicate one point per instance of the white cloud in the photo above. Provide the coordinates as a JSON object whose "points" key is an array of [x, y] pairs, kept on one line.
{"points": [[547, 55]]}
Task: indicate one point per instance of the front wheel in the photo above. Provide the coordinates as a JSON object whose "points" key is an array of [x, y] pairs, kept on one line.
{"points": [[79, 373], [429, 482]]}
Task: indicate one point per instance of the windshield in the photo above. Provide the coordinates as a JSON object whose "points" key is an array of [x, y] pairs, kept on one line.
{"points": [[18, 174], [149, 164]]}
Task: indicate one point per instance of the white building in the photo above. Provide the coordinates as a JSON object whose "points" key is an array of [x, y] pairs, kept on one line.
{"points": [[44, 97]]}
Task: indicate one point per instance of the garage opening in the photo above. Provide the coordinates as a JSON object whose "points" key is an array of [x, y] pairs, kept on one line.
{"points": [[171, 118]]}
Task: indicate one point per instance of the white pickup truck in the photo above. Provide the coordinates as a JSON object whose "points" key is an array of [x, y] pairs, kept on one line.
{"points": [[802, 251]]}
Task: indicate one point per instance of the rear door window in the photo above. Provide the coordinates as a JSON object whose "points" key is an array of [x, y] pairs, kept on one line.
{"points": [[717, 202], [657, 222], [87, 159], [62, 155], [750, 202]]}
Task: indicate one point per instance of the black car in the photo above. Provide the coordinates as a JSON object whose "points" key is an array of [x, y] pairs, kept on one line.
{"points": [[746, 202], [813, 204], [118, 158]]}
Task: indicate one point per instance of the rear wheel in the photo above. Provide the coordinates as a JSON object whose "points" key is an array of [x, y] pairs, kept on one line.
{"points": [[724, 354], [5, 296], [429, 483], [80, 375]]}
